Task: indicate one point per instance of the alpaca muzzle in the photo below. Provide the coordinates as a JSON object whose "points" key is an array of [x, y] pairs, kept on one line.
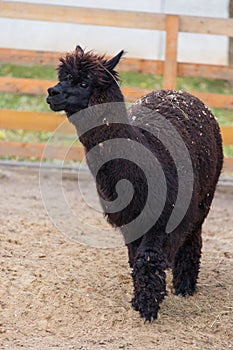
{"points": [[56, 98]]}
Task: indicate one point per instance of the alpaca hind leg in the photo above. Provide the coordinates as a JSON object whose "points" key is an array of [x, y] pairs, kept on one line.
{"points": [[186, 265], [149, 282]]}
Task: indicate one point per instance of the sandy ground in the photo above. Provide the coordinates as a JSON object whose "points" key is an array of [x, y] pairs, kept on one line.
{"points": [[56, 293]]}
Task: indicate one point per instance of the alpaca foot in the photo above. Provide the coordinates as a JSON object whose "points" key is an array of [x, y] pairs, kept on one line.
{"points": [[147, 314], [185, 289], [149, 285]]}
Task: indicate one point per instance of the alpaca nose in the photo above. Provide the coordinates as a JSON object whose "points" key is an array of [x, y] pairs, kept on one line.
{"points": [[54, 91]]}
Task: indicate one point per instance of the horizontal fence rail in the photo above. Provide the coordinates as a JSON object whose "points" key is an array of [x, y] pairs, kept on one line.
{"points": [[39, 87], [49, 122], [29, 57], [113, 18], [35, 121], [169, 68], [36, 150]]}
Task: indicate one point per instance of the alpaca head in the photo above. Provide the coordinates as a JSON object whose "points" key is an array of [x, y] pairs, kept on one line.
{"points": [[81, 75]]}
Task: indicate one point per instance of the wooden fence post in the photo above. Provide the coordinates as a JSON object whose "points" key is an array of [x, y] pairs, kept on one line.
{"points": [[170, 66]]}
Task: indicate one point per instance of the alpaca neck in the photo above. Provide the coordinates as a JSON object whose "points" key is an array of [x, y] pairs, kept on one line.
{"points": [[111, 94]]}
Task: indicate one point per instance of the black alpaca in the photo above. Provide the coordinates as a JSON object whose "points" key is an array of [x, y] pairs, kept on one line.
{"points": [[86, 79]]}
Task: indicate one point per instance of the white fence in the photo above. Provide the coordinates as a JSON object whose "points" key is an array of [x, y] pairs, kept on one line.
{"points": [[21, 34]]}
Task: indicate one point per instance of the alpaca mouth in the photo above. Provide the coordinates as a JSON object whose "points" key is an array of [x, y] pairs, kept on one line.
{"points": [[56, 106]]}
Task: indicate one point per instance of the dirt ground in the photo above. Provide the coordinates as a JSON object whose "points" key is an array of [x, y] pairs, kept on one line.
{"points": [[57, 293]]}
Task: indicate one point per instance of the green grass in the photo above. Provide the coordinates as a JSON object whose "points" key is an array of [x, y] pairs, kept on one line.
{"points": [[204, 85], [224, 116], [149, 81], [34, 72], [23, 102], [140, 80], [24, 136], [228, 151]]}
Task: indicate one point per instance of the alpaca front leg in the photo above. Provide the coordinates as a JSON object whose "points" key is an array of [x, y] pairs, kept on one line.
{"points": [[149, 280], [133, 250]]}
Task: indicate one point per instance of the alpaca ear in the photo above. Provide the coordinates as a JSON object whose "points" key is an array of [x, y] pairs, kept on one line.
{"points": [[111, 64], [79, 50]]}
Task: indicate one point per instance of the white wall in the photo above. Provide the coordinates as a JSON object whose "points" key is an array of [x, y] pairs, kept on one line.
{"points": [[138, 43]]}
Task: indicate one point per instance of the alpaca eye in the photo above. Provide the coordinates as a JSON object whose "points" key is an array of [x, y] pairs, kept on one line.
{"points": [[84, 85], [69, 77]]}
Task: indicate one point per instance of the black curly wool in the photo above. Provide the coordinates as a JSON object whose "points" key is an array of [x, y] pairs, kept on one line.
{"points": [[155, 250]]}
